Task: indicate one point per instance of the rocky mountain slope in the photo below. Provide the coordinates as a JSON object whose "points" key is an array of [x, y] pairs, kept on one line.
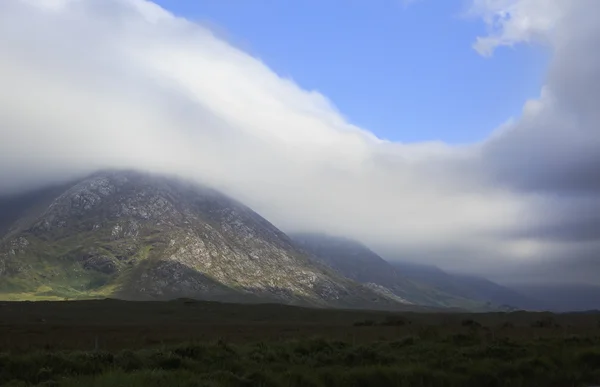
{"points": [[412, 282], [139, 236], [356, 261]]}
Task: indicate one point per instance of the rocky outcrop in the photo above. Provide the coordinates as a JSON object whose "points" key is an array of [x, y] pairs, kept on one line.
{"points": [[138, 235]]}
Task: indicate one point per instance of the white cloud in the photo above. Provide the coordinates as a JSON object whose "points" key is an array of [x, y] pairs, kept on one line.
{"points": [[517, 21], [123, 83]]}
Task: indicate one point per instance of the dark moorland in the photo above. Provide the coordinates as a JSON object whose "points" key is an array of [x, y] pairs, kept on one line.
{"points": [[194, 343]]}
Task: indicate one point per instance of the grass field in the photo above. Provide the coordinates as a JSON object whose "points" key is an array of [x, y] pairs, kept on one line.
{"points": [[190, 343]]}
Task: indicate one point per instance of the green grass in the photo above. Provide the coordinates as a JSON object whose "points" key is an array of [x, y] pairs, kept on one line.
{"points": [[191, 343], [454, 360], [51, 271]]}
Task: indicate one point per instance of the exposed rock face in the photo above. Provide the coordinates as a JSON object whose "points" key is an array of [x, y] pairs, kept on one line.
{"points": [[137, 235]]}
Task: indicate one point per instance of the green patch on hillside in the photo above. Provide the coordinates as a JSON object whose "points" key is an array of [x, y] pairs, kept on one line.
{"points": [[56, 270]]}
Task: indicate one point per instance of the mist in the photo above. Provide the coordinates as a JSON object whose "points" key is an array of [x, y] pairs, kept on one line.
{"points": [[94, 84]]}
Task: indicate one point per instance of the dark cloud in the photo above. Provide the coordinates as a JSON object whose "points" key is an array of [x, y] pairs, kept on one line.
{"points": [[554, 146], [551, 153]]}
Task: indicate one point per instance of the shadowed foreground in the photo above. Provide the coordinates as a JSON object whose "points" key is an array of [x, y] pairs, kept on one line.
{"points": [[189, 343]]}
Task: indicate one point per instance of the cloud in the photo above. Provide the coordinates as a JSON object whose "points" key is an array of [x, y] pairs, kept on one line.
{"points": [[551, 153], [512, 22], [91, 84]]}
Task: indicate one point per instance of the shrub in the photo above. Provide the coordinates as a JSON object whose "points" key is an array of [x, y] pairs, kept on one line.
{"points": [[365, 323], [547, 322], [590, 359], [470, 323], [395, 321]]}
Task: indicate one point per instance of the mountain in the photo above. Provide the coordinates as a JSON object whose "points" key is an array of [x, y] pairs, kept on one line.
{"points": [[356, 261], [134, 235], [470, 287], [484, 289], [563, 297]]}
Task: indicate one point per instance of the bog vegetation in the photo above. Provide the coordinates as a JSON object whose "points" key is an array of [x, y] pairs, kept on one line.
{"points": [[187, 343]]}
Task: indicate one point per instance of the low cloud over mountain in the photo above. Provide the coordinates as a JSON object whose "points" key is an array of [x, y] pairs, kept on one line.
{"points": [[90, 84]]}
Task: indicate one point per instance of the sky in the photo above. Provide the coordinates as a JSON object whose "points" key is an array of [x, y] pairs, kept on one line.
{"points": [[407, 73], [501, 179]]}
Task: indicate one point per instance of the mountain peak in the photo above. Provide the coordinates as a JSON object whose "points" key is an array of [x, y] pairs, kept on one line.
{"points": [[137, 235]]}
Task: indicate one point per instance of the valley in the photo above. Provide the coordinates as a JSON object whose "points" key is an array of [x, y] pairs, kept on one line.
{"points": [[299, 193], [125, 278]]}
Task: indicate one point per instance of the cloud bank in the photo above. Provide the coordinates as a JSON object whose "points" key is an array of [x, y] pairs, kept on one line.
{"points": [[90, 84]]}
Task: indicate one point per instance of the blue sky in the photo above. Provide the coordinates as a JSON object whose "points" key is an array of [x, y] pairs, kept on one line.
{"points": [[405, 73]]}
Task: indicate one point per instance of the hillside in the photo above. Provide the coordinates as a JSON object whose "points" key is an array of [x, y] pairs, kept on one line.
{"points": [[133, 235], [471, 287], [356, 261]]}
